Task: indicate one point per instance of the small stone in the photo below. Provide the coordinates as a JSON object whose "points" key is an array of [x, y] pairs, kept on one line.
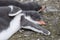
{"points": [[26, 35], [38, 39], [45, 0], [58, 39], [52, 36], [50, 24], [19, 36], [37, 0], [21, 31]]}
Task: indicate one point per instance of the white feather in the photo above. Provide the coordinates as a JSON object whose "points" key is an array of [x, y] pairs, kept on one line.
{"points": [[10, 6], [13, 28], [14, 14], [31, 20]]}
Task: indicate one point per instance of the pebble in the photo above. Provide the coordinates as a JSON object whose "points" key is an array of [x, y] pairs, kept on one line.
{"points": [[52, 36], [19, 36], [26, 35], [58, 39], [45, 0], [21, 31], [38, 39]]}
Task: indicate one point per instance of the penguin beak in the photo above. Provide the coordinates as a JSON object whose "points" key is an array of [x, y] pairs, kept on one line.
{"points": [[41, 22]]}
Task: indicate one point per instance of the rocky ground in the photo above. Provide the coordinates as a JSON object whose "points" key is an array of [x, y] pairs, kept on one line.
{"points": [[53, 25]]}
